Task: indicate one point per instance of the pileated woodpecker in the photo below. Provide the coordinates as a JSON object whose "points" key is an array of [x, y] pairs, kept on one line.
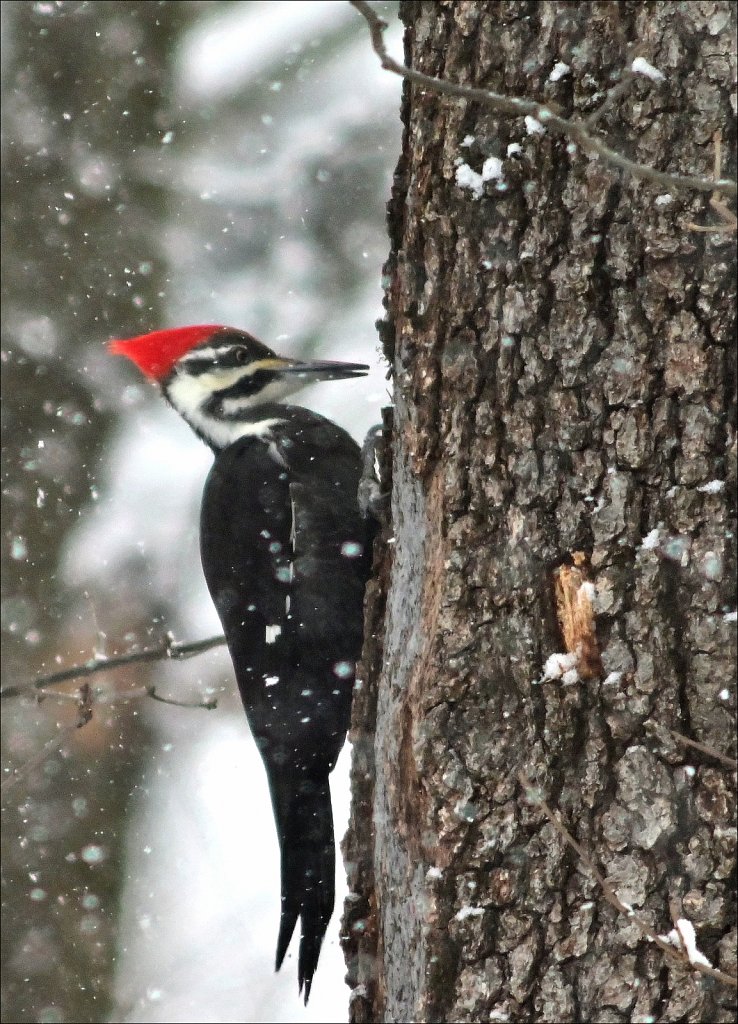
{"points": [[286, 553]]}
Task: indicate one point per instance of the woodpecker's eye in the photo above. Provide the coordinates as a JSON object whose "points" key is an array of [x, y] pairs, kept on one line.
{"points": [[241, 355]]}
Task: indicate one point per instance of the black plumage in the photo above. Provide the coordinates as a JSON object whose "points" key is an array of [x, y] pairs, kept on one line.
{"points": [[286, 554]]}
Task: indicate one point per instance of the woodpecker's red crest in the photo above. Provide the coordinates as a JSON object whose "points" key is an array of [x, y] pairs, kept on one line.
{"points": [[156, 353]]}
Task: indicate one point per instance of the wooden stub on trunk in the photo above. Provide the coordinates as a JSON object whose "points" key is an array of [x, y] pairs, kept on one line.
{"points": [[575, 611]]}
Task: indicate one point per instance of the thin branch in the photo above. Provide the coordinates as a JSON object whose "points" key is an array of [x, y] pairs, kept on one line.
{"points": [[168, 648], [613, 97], [84, 715], [518, 107], [729, 762], [207, 705], [20, 773], [729, 220], [534, 796], [85, 700]]}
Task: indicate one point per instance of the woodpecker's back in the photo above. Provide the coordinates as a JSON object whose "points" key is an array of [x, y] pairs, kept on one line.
{"points": [[284, 550], [286, 554]]}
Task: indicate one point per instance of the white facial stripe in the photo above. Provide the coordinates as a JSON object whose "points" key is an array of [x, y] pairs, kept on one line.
{"points": [[189, 391], [219, 379], [187, 395], [221, 433], [232, 406], [203, 353]]}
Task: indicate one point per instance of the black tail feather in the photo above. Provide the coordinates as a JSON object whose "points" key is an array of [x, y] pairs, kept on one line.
{"points": [[302, 808], [287, 924]]}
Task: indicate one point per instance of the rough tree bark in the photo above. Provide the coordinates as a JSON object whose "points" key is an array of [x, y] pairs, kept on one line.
{"points": [[564, 394]]}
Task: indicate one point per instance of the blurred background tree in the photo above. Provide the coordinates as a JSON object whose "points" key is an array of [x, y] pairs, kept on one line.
{"points": [[163, 163]]}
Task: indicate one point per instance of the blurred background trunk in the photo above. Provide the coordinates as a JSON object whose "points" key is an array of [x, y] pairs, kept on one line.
{"points": [[163, 163], [72, 203], [563, 354]]}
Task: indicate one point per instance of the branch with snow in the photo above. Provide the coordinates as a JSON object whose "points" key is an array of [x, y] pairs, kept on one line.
{"points": [[517, 106], [683, 936]]}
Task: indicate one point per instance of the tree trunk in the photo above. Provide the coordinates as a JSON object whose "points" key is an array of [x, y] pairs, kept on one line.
{"points": [[564, 423]]}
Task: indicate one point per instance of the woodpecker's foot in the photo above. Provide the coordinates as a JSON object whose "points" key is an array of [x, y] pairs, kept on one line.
{"points": [[373, 500]]}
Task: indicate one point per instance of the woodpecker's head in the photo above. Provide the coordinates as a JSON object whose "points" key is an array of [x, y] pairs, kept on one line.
{"points": [[216, 377]]}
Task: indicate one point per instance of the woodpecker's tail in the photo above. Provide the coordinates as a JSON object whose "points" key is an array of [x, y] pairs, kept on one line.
{"points": [[305, 825]]}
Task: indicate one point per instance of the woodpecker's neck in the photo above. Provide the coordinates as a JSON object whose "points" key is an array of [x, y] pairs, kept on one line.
{"points": [[219, 416]]}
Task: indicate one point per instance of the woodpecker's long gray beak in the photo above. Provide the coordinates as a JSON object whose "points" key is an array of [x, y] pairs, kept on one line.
{"points": [[321, 369]]}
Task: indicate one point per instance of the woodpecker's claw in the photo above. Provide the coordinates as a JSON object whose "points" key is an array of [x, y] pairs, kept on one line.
{"points": [[373, 500]]}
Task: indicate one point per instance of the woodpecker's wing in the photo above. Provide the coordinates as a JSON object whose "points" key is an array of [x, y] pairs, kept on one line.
{"points": [[246, 557], [285, 554], [284, 550], [329, 549]]}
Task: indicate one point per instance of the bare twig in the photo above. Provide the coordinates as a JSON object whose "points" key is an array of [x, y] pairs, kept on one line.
{"points": [[535, 797], [729, 219], [168, 648], [726, 215], [703, 747], [516, 106], [20, 773], [676, 911], [613, 97], [208, 705], [85, 700], [84, 715]]}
